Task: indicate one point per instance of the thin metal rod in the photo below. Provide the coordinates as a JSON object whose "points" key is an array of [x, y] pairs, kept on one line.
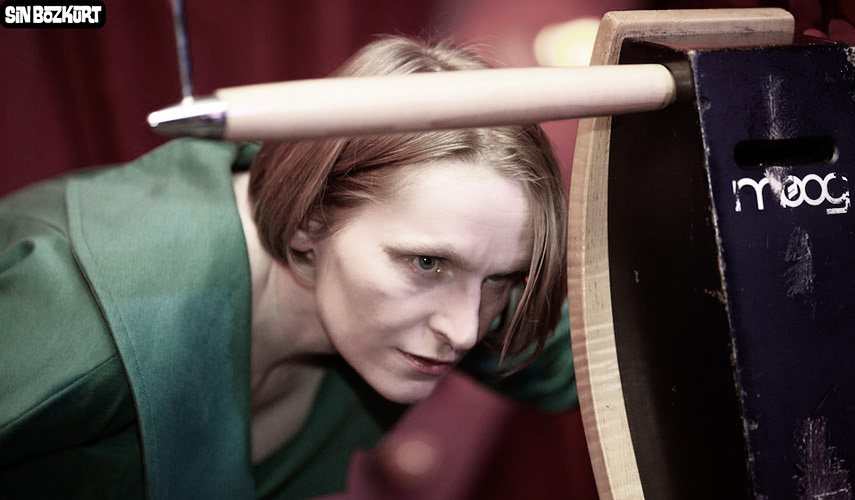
{"points": [[183, 50]]}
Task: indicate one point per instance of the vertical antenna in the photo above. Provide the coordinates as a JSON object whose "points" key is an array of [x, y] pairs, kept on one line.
{"points": [[183, 51]]}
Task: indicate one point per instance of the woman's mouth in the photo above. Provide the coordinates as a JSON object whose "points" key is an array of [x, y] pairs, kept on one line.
{"points": [[428, 366]]}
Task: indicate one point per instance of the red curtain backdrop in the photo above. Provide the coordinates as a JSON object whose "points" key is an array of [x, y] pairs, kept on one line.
{"points": [[76, 98], [71, 98]]}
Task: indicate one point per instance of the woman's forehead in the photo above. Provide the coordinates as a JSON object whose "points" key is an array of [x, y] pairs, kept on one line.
{"points": [[469, 211], [450, 172]]}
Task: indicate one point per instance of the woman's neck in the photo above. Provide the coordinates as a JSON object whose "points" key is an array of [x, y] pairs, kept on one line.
{"points": [[286, 333]]}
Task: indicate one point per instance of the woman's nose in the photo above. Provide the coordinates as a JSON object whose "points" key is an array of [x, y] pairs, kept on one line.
{"points": [[457, 319]]}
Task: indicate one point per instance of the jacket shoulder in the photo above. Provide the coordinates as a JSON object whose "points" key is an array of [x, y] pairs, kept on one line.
{"points": [[55, 341]]}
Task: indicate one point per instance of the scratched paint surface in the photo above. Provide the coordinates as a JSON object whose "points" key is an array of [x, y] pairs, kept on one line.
{"points": [[788, 262], [821, 474]]}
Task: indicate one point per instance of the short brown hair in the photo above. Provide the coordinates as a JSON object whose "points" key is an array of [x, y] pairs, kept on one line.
{"points": [[295, 183]]}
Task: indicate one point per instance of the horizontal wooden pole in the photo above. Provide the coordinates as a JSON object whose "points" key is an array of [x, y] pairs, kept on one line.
{"points": [[446, 100], [331, 107]]}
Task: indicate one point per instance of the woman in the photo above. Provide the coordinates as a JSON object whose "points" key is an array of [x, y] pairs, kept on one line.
{"points": [[182, 327]]}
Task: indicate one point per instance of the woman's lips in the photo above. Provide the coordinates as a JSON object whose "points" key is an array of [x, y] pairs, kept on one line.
{"points": [[428, 366]]}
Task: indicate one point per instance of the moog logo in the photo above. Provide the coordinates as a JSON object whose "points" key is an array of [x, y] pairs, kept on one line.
{"points": [[790, 191]]}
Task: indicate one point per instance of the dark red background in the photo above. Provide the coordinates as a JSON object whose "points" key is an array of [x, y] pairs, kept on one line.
{"points": [[75, 98]]}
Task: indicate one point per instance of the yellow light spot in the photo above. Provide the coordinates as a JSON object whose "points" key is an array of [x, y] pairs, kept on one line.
{"points": [[566, 44]]}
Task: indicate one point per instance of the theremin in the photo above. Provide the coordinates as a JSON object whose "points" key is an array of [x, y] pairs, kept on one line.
{"points": [[710, 235]]}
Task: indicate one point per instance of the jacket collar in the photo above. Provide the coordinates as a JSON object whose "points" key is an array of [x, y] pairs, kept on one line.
{"points": [[161, 245]]}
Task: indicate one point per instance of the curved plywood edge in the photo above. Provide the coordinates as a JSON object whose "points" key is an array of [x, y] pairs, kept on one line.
{"points": [[597, 372], [615, 27]]}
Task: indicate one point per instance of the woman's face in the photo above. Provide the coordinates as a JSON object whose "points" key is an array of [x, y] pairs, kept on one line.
{"points": [[409, 284]]}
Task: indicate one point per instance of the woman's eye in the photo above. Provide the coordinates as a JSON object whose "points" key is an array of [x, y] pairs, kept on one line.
{"points": [[501, 279], [426, 264]]}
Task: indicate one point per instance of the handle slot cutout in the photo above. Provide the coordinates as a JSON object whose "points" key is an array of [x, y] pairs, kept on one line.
{"points": [[764, 153]]}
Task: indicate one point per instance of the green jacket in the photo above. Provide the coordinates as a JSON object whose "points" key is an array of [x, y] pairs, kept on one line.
{"points": [[124, 344]]}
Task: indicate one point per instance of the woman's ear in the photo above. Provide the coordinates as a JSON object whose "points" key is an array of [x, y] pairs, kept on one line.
{"points": [[303, 246], [302, 261], [306, 236], [301, 242]]}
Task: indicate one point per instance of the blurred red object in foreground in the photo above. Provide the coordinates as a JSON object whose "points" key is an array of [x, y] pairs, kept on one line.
{"points": [[465, 442]]}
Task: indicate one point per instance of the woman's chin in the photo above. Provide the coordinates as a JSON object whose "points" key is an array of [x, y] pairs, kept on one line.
{"points": [[409, 392]]}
